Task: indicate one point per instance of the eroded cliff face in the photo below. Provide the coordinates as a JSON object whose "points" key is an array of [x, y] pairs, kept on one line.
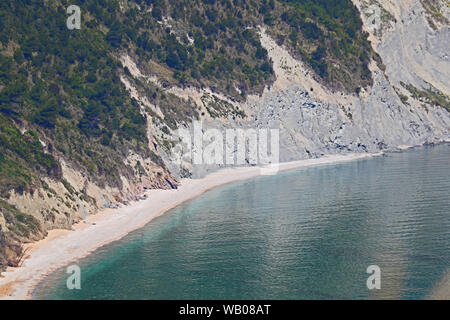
{"points": [[399, 110], [406, 106], [314, 121], [28, 216], [412, 39]]}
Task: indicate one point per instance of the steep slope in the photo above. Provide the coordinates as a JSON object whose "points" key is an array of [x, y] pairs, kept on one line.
{"points": [[407, 105], [88, 117]]}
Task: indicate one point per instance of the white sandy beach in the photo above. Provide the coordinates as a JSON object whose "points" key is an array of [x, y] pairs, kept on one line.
{"points": [[61, 247]]}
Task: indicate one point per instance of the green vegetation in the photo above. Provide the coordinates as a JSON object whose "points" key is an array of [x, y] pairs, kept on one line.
{"points": [[219, 108], [63, 86], [19, 153], [174, 109], [433, 13], [204, 43], [61, 95], [328, 36], [403, 98], [430, 96], [215, 43], [19, 227]]}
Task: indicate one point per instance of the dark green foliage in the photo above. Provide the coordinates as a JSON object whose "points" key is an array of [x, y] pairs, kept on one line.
{"points": [[226, 52], [18, 153], [20, 227], [431, 96], [220, 36], [65, 85], [327, 34]]}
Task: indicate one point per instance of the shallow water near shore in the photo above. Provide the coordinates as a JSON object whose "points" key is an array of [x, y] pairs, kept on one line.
{"points": [[303, 234]]}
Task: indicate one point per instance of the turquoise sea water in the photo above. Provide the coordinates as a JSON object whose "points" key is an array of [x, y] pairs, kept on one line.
{"points": [[304, 234]]}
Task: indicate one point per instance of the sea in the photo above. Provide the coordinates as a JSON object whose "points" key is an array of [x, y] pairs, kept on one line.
{"points": [[376, 228]]}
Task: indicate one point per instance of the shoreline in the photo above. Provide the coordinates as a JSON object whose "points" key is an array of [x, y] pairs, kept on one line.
{"points": [[61, 247]]}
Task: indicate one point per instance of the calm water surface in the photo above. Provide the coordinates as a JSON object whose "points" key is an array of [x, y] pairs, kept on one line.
{"points": [[304, 234]]}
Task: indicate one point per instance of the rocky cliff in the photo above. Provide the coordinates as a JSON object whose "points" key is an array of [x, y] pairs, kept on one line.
{"points": [[407, 105], [318, 80]]}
